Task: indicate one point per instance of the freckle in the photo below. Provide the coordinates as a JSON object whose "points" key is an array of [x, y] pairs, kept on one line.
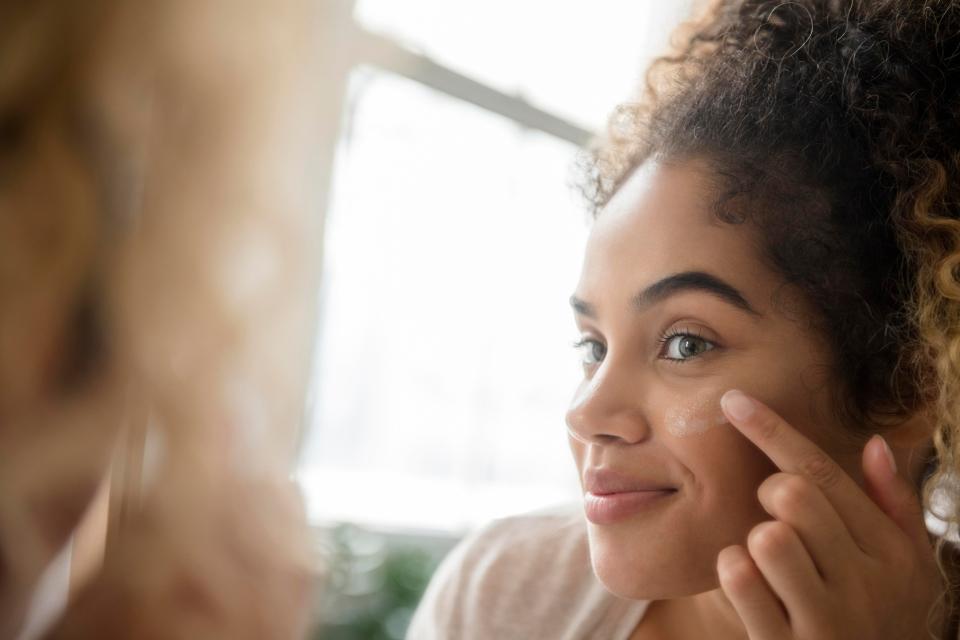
{"points": [[696, 415]]}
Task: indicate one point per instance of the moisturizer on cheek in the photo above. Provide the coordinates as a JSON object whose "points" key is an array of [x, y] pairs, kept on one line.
{"points": [[694, 416]]}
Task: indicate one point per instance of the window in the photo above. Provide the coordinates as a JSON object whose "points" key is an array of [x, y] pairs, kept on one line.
{"points": [[453, 240]]}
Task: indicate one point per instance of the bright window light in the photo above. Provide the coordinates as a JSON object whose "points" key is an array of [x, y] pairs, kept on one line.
{"points": [[444, 364], [574, 59]]}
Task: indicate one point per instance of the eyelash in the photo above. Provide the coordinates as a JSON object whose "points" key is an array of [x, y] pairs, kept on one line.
{"points": [[662, 340], [673, 333]]}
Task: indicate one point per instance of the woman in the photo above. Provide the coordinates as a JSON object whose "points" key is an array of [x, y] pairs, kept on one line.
{"points": [[776, 225]]}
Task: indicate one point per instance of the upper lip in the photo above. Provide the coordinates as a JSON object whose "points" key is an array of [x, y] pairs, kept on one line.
{"points": [[601, 481]]}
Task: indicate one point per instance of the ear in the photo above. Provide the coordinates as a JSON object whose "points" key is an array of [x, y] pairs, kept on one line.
{"points": [[912, 443], [915, 432]]}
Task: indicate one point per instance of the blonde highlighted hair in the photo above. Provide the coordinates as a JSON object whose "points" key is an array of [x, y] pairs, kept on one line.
{"points": [[158, 248]]}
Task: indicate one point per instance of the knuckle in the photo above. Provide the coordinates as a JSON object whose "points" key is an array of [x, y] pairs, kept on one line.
{"points": [[736, 572], [821, 469], [769, 538], [739, 578], [768, 428], [791, 494]]}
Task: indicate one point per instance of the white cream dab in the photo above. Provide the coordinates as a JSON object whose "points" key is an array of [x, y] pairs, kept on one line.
{"points": [[695, 416], [685, 418]]}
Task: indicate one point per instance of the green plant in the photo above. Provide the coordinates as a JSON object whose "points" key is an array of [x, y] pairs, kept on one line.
{"points": [[374, 582]]}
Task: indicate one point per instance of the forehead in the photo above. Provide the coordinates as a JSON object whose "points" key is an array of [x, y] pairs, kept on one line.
{"points": [[661, 222]]}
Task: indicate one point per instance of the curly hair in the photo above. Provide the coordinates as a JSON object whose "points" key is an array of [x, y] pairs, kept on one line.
{"points": [[833, 126]]}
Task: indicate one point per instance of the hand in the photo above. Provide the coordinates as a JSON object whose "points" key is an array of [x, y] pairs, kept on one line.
{"points": [[834, 563]]}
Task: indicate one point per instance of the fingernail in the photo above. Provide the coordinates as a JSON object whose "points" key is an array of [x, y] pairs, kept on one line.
{"points": [[737, 404], [890, 458]]}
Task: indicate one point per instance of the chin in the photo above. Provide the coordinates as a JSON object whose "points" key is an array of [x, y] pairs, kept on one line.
{"points": [[639, 571]]}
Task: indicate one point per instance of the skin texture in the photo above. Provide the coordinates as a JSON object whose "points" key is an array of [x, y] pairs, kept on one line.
{"points": [[624, 414]]}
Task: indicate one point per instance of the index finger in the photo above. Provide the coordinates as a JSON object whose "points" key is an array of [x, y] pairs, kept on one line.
{"points": [[793, 452]]}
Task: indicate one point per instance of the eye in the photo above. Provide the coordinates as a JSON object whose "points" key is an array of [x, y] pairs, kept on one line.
{"points": [[593, 350], [683, 346]]}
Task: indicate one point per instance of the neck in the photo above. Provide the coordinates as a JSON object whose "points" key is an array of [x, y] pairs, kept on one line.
{"points": [[704, 615], [715, 612]]}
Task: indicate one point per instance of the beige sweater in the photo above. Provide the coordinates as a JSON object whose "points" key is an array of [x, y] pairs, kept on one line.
{"points": [[524, 577], [528, 577]]}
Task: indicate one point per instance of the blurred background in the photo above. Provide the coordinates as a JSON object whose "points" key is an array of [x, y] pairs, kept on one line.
{"points": [[452, 237]]}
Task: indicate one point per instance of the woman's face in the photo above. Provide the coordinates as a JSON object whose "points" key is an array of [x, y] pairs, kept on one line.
{"points": [[649, 411]]}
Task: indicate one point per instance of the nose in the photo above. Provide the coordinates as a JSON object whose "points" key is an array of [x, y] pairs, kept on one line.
{"points": [[606, 408]]}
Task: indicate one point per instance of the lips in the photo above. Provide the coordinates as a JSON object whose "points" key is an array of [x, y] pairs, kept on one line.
{"points": [[603, 481], [614, 507], [612, 496]]}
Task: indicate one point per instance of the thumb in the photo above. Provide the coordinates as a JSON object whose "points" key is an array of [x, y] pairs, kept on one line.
{"points": [[892, 492]]}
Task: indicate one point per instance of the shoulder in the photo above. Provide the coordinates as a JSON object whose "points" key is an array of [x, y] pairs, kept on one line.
{"points": [[538, 543], [521, 575]]}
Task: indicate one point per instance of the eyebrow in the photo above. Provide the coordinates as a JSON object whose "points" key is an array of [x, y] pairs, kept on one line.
{"points": [[674, 284]]}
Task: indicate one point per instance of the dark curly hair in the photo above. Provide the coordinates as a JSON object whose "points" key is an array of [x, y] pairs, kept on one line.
{"points": [[833, 126]]}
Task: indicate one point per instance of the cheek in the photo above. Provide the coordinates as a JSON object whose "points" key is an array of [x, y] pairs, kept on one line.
{"points": [[727, 469], [694, 415], [673, 553]]}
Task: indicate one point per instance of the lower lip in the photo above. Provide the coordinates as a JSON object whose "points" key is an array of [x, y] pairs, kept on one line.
{"points": [[613, 507]]}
